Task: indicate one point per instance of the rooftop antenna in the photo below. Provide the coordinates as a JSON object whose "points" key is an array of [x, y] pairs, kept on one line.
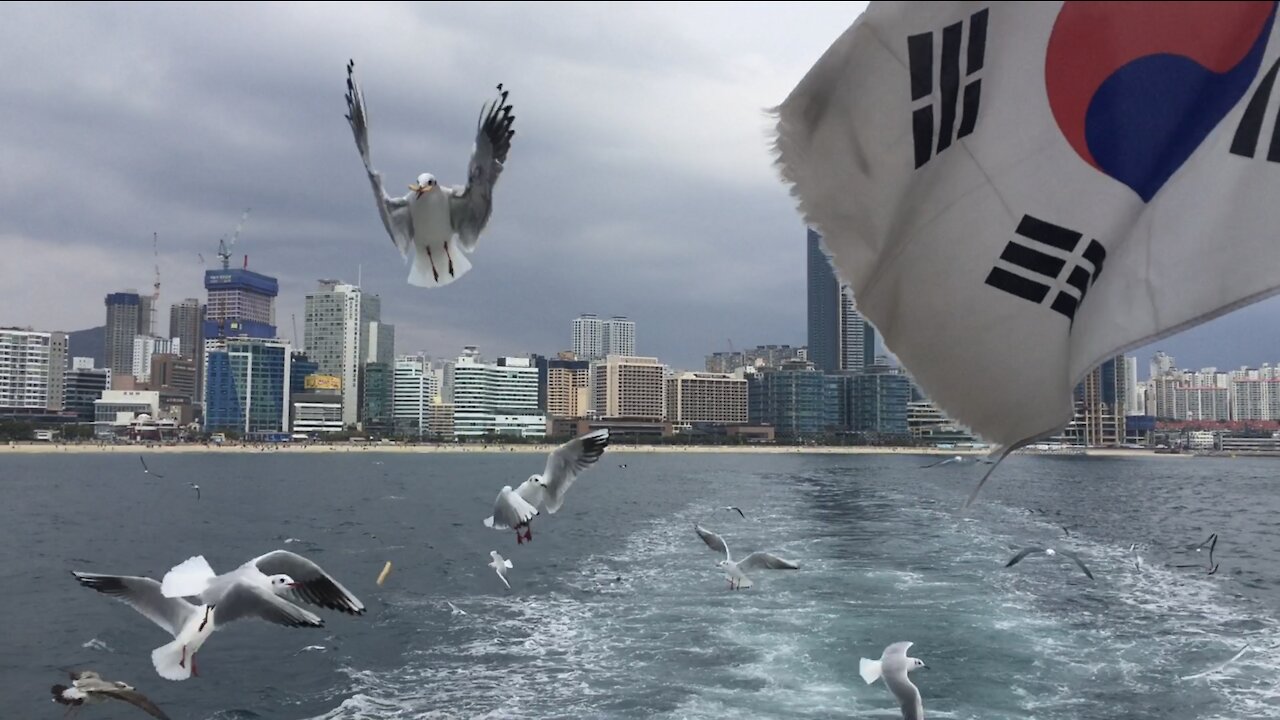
{"points": [[224, 247]]}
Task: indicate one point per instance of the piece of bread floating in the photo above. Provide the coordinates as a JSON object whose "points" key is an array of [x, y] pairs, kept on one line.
{"points": [[386, 570]]}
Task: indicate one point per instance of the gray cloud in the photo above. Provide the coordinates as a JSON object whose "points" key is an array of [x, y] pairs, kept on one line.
{"points": [[640, 180]]}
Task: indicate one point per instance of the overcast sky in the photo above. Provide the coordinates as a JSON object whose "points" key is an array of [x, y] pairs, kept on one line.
{"points": [[640, 180]]}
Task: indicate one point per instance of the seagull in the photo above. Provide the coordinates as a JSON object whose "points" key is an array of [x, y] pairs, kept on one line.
{"points": [[1218, 669], [1066, 530], [423, 222], [454, 609], [1211, 566], [546, 491], [195, 487], [1137, 559], [146, 469], [623, 466], [893, 667], [733, 570], [88, 688], [500, 565], [1050, 552], [512, 512], [278, 572], [736, 509], [188, 623], [948, 461]]}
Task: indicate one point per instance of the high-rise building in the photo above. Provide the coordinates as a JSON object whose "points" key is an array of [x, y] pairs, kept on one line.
{"points": [[619, 336], [1203, 395], [1255, 393], [416, 387], [1134, 397], [247, 385], [880, 395], [496, 399], [718, 398], [377, 385], [172, 373], [1100, 401], [126, 319], [857, 337], [33, 368], [564, 386], [1161, 364], [145, 347], [588, 337], [824, 307], [332, 336], [184, 324], [628, 387], [793, 399], [241, 303], [759, 357], [84, 385], [440, 425]]}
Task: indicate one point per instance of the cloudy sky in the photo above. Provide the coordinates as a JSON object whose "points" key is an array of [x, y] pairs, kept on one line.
{"points": [[640, 181]]}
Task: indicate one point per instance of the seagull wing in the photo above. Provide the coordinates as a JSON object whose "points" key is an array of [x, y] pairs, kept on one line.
{"points": [[1022, 554], [315, 586], [510, 510], [243, 600], [713, 541], [142, 594], [470, 207], [767, 561], [1078, 561], [908, 696], [899, 649], [567, 461], [394, 211], [135, 698]]}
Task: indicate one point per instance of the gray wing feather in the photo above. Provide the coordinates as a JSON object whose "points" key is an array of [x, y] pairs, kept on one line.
{"points": [[315, 586], [135, 698], [142, 594], [713, 541], [511, 511], [908, 696], [1078, 561], [767, 561], [249, 601], [1022, 554], [567, 461], [393, 211], [469, 208]]}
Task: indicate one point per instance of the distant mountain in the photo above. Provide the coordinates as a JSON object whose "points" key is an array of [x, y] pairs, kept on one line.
{"points": [[88, 343]]}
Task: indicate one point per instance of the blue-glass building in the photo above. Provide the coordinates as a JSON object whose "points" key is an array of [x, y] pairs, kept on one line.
{"points": [[792, 399], [879, 402], [301, 368], [824, 307], [247, 386]]}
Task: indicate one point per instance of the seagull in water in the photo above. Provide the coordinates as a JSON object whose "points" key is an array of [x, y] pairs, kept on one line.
{"points": [[195, 487], [1049, 552], [893, 667], [515, 509], [733, 570], [948, 461], [88, 688], [500, 565], [146, 469], [1210, 566], [422, 223], [454, 609]]}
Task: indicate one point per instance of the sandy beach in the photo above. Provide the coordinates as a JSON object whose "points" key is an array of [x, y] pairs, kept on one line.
{"points": [[44, 447]]}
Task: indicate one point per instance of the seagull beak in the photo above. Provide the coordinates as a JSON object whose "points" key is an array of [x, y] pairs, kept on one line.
{"points": [[924, 667], [294, 585]]}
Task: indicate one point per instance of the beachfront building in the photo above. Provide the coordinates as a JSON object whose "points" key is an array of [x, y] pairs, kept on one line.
{"points": [[700, 397], [332, 336], [32, 369], [247, 385], [628, 387], [499, 398]]}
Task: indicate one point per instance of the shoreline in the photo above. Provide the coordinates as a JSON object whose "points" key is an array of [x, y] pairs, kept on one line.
{"points": [[35, 448]]}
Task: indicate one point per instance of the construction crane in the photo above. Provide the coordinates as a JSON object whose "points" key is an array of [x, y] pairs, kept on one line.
{"points": [[155, 288], [224, 247]]}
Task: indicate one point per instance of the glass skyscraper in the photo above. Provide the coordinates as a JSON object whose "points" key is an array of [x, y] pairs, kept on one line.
{"points": [[248, 386]]}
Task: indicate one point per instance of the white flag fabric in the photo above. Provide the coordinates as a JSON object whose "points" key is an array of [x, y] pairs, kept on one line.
{"points": [[1017, 191]]}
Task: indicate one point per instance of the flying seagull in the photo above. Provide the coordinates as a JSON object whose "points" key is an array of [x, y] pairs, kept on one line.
{"points": [[146, 469], [1137, 558], [1210, 566], [88, 688], [422, 223], [947, 461], [278, 572], [733, 570], [893, 667], [1050, 552], [1218, 669], [546, 491], [196, 488], [512, 512], [454, 609], [734, 508], [500, 565]]}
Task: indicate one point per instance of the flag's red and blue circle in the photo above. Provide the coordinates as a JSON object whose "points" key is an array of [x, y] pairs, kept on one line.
{"points": [[1136, 87]]}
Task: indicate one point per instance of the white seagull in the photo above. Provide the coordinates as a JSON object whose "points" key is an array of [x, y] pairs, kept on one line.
{"points": [[733, 570], [1049, 552], [500, 565], [893, 667], [147, 470], [547, 490], [195, 487], [191, 624], [423, 222], [278, 572], [88, 688], [948, 461]]}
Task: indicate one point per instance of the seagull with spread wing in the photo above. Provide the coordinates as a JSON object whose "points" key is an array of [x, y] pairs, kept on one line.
{"points": [[423, 223], [515, 509], [1050, 552], [88, 688], [733, 570]]}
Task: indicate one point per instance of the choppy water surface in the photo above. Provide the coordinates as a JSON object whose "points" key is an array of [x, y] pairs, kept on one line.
{"points": [[617, 610]]}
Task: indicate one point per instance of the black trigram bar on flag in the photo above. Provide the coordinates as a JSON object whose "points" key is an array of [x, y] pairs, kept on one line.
{"points": [[1245, 141], [1033, 270], [920, 57]]}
